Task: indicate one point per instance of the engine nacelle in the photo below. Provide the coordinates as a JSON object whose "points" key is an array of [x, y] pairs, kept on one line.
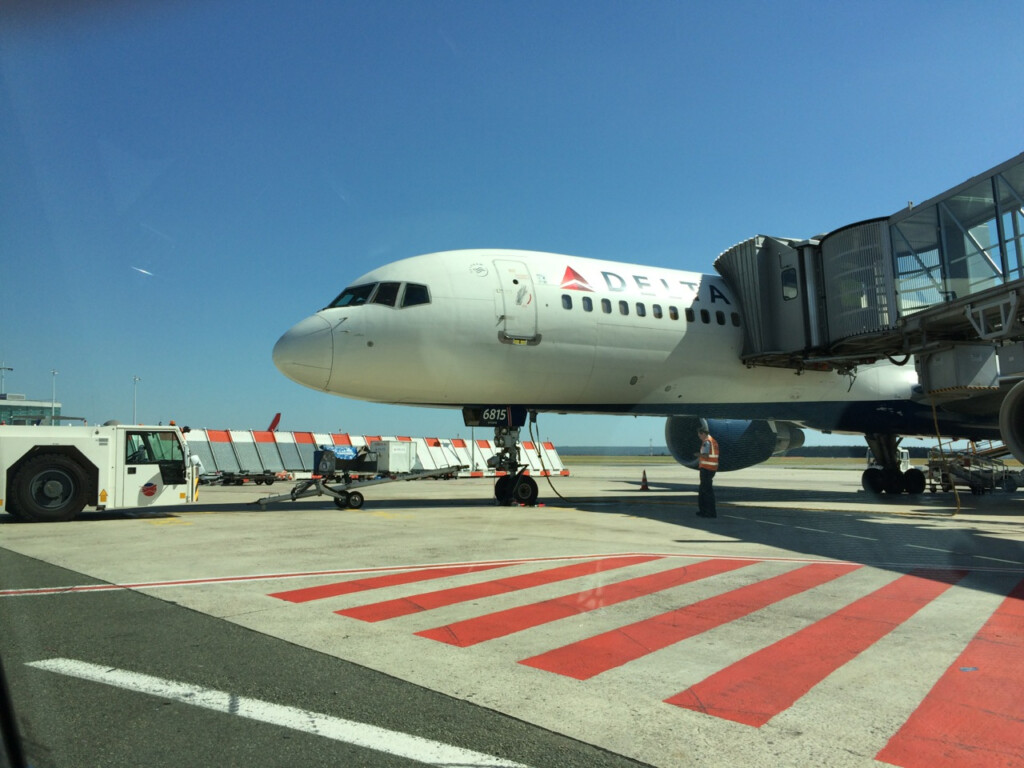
{"points": [[740, 443], [1011, 420]]}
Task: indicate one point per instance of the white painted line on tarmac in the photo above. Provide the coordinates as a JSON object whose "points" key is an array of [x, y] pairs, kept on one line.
{"points": [[997, 559], [360, 734], [933, 549]]}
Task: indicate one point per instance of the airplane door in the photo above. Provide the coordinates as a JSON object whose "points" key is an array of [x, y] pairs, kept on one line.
{"points": [[517, 302]]}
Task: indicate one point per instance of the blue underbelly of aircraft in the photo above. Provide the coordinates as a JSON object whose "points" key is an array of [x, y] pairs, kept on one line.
{"points": [[900, 417]]}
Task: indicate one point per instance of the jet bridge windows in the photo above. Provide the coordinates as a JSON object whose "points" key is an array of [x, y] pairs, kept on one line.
{"points": [[966, 241]]}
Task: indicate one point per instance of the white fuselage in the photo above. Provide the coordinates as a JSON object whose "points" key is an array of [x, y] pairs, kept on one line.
{"points": [[560, 333]]}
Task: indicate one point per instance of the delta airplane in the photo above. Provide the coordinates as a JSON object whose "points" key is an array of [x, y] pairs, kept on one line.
{"points": [[500, 332]]}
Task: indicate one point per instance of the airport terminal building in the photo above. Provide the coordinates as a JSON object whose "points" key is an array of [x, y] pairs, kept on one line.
{"points": [[18, 409]]}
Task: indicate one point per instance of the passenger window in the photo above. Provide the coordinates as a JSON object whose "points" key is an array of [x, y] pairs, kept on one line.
{"points": [[705, 316], [673, 313], [641, 310], [656, 310], [387, 294], [689, 315], [415, 294], [790, 290], [588, 304], [606, 306], [623, 307], [720, 317], [566, 301], [736, 319], [353, 296]]}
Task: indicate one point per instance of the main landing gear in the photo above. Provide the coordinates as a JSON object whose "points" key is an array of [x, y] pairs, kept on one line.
{"points": [[886, 476], [513, 487]]}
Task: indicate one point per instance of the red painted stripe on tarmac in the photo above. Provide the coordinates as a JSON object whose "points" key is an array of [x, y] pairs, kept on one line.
{"points": [[586, 658], [974, 715], [390, 609], [752, 691], [501, 623], [361, 585]]}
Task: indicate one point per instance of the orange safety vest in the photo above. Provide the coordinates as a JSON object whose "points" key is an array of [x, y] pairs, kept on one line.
{"points": [[709, 460]]}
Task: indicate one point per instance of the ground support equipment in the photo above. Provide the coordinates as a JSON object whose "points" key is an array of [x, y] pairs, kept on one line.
{"points": [[980, 473], [345, 494]]}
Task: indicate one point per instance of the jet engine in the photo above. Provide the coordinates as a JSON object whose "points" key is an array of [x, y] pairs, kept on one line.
{"points": [[741, 443], [1011, 420]]}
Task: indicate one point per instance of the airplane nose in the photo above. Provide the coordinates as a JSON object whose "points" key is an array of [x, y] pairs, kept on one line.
{"points": [[306, 352]]}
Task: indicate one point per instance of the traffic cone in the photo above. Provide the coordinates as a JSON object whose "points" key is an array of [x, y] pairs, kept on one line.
{"points": [[643, 482]]}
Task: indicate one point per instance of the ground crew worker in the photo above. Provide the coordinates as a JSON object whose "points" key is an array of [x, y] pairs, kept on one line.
{"points": [[708, 464]]}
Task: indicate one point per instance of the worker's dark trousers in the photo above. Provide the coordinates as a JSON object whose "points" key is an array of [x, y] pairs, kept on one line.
{"points": [[706, 495]]}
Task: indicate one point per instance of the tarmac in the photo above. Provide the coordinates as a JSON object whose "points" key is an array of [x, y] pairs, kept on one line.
{"points": [[810, 623]]}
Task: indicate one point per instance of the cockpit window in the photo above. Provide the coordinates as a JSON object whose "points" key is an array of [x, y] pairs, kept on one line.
{"points": [[353, 296], [415, 294], [387, 294], [382, 293]]}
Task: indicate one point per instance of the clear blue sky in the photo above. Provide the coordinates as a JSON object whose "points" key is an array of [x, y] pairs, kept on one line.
{"points": [[255, 157]]}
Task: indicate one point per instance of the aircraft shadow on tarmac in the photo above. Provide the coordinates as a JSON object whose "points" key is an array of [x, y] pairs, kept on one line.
{"points": [[917, 536]]}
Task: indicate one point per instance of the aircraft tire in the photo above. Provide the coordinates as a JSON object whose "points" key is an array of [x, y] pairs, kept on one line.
{"points": [[355, 500], [342, 503], [893, 481], [525, 491], [502, 486], [914, 481], [872, 480]]}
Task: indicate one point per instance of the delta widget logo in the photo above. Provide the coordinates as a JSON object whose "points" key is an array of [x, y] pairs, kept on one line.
{"points": [[574, 281], [149, 489]]}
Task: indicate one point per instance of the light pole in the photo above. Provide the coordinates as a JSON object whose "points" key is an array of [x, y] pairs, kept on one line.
{"points": [[135, 392], [4, 368], [53, 395]]}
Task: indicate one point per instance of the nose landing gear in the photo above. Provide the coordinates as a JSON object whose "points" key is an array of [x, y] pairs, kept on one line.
{"points": [[515, 486]]}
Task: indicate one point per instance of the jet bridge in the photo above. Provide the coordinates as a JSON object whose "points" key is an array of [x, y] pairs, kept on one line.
{"points": [[942, 281]]}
